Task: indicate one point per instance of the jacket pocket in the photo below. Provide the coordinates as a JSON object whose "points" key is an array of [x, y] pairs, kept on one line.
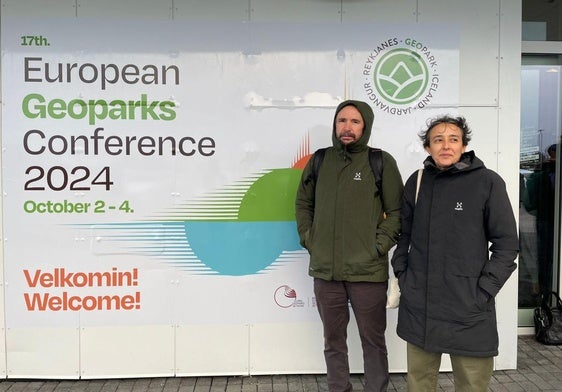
{"points": [[463, 298], [309, 238]]}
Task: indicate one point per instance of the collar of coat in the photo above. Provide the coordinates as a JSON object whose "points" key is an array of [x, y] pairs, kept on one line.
{"points": [[468, 161]]}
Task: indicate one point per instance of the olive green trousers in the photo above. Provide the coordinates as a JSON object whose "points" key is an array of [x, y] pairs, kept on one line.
{"points": [[471, 374]]}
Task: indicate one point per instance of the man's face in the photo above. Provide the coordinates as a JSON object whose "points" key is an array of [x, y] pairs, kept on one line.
{"points": [[445, 145], [349, 125]]}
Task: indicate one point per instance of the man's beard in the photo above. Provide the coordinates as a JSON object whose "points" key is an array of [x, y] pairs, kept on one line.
{"points": [[348, 135]]}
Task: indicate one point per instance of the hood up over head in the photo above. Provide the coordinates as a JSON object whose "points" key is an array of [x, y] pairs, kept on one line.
{"points": [[368, 118]]}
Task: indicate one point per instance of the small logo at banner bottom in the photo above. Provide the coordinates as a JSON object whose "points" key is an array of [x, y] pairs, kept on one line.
{"points": [[285, 296]]}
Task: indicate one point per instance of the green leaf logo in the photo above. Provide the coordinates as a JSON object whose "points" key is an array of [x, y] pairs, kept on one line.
{"points": [[401, 76]]}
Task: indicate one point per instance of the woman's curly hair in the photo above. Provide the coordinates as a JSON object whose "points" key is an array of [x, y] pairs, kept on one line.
{"points": [[459, 121]]}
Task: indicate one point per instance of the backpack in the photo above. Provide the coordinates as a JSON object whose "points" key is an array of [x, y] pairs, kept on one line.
{"points": [[375, 161]]}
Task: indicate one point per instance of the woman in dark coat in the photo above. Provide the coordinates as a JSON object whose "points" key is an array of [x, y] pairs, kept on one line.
{"points": [[448, 275]]}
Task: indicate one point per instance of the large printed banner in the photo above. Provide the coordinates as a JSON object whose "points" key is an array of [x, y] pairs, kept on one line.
{"points": [[149, 171]]}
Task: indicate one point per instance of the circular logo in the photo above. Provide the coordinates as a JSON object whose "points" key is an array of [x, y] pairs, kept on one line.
{"points": [[401, 76], [285, 296]]}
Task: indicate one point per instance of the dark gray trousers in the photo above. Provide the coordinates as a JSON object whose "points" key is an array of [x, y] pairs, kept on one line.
{"points": [[368, 301]]}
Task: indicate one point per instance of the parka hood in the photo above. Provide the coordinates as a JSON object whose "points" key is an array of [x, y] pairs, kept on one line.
{"points": [[368, 117]]}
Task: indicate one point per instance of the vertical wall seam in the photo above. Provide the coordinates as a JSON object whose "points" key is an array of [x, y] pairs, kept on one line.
{"points": [[499, 83]]}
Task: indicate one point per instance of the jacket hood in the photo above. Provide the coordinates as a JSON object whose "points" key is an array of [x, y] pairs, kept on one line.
{"points": [[468, 161], [368, 117]]}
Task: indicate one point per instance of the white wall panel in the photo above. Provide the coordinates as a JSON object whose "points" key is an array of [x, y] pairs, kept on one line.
{"points": [[132, 351], [212, 350], [480, 32], [295, 10], [125, 9], [508, 158], [51, 353], [272, 345], [382, 11], [2, 295], [510, 91], [35, 8], [483, 122], [234, 10], [3, 350]]}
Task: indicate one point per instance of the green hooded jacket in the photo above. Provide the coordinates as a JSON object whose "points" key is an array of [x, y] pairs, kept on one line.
{"points": [[341, 220]]}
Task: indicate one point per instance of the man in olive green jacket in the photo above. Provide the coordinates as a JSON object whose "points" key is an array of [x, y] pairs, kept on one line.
{"points": [[348, 226]]}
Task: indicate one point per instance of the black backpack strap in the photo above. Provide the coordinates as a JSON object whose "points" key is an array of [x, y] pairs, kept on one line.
{"points": [[317, 159], [375, 160]]}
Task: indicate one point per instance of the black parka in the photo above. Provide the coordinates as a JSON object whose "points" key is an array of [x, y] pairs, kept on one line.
{"points": [[346, 227], [448, 273]]}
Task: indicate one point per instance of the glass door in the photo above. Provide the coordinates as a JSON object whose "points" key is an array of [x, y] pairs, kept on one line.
{"points": [[540, 185]]}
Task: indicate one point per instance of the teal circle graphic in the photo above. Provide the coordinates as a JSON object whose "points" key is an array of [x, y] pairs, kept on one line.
{"points": [[401, 76]]}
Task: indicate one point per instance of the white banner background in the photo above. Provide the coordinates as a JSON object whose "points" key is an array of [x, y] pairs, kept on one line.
{"points": [[259, 91]]}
